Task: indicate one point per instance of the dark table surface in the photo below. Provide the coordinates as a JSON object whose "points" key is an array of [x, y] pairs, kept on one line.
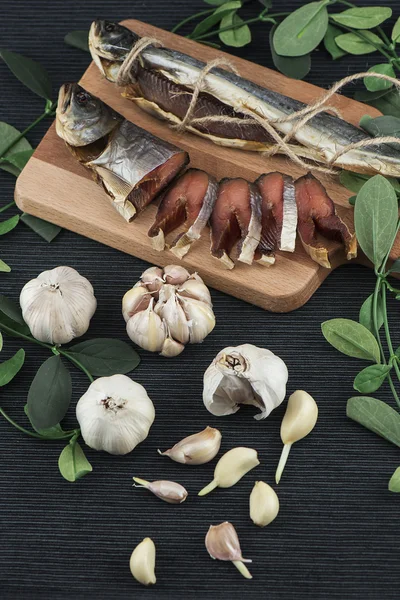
{"points": [[337, 534]]}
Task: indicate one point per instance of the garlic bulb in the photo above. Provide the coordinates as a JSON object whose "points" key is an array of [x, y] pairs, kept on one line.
{"points": [[222, 543], [196, 449], [264, 504], [58, 305], [231, 467], [300, 418], [142, 562], [115, 414], [167, 309], [244, 375]]}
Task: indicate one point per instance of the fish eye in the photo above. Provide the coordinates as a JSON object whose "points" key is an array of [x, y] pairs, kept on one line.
{"points": [[109, 27], [82, 98]]}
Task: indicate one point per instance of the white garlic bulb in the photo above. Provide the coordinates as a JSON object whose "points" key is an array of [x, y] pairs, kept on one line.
{"points": [[115, 414], [168, 308], [58, 305], [244, 374]]}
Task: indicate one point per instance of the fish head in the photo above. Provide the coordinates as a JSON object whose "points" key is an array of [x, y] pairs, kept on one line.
{"points": [[81, 118], [109, 45]]}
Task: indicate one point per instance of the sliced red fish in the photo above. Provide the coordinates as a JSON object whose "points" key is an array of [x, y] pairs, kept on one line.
{"points": [[317, 214], [236, 221], [190, 200], [278, 216]]}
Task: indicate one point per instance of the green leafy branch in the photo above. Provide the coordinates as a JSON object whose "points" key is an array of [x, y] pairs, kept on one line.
{"points": [[50, 392], [377, 223]]}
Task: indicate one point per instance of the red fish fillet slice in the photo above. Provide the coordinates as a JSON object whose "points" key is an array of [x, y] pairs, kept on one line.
{"points": [[317, 213], [236, 220], [189, 200]]}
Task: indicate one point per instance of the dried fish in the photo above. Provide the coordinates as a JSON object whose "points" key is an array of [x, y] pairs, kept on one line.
{"points": [[132, 165], [162, 82]]}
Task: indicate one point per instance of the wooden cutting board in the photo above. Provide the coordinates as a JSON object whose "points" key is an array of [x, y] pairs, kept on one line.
{"points": [[55, 187]]}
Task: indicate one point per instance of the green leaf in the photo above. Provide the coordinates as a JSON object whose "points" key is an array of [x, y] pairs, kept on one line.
{"points": [[352, 200], [394, 483], [50, 394], [371, 378], [330, 42], [52, 433], [11, 309], [351, 338], [356, 45], [29, 72], [6, 226], [10, 323], [9, 368], [72, 462], [366, 313], [19, 159], [4, 268], [375, 218], [266, 3], [363, 17], [8, 134], [302, 30], [296, 67], [366, 96], [48, 231], [238, 37], [388, 104], [386, 125], [396, 30], [352, 181], [375, 85], [103, 357], [209, 22], [395, 268], [78, 39], [375, 416]]}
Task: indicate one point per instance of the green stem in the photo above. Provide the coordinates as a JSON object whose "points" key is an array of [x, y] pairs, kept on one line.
{"points": [[7, 206], [192, 18], [46, 112], [67, 435], [231, 27], [76, 363]]}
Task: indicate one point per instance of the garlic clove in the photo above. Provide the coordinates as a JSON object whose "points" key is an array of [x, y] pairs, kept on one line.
{"points": [[146, 329], [196, 449], [175, 274], [115, 414], [153, 279], [173, 314], [222, 543], [201, 318], [193, 288], [264, 504], [134, 301], [300, 418], [244, 374], [142, 562], [171, 347], [231, 467], [169, 491]]}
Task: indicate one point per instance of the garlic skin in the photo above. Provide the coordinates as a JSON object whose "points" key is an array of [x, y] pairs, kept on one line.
{"points": [[264, 504], [244, 374], [142, 562], [167, 309], [169, 491], [231, 467], [222, 543], [300, 418], [196, 449], [58, 305], [115, 414]]}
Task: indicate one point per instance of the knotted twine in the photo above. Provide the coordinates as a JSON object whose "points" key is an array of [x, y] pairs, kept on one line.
{"points": [[300, 117]]}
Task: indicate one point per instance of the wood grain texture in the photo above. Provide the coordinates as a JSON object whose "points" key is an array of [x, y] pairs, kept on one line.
{"points": [[55, 187]]}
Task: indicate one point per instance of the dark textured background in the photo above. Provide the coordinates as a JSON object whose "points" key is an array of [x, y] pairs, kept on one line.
{"points": [[337, 534]]}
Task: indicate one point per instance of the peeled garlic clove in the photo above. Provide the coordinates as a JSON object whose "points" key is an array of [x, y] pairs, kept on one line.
{"points": [[175, 274], [171, 348], [222, 543], [152, 278], [231, 467], [196, 449], [142, 562], [134, 301], [300, 418], [264, 504], [115, 414], [146, 329], [193, 288], [169, 491], [58, 305], [244, 374], [200, 316]]}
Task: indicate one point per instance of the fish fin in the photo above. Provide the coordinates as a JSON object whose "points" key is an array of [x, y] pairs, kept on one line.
{"points": [[158, 241], [266, 260], [118, 190]]}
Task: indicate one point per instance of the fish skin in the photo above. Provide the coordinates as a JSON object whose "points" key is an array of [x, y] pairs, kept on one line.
{"points": [[324, 133]]}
